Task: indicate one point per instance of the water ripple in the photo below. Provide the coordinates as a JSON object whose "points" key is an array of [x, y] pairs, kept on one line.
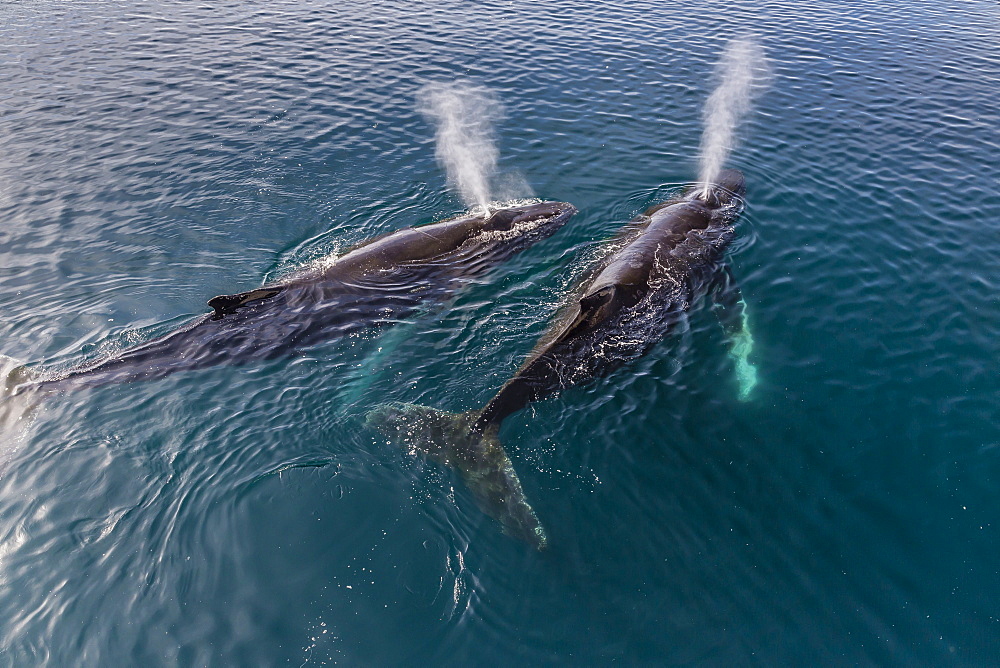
{"points": [[155, 155]]}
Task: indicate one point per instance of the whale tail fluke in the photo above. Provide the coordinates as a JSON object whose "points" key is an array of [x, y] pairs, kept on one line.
{"points": [[478, 456], [17, 404]]}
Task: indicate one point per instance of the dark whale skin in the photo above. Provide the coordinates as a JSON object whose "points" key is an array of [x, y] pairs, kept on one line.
{"points": [[622, 306], [373, 284], [671, 253]]}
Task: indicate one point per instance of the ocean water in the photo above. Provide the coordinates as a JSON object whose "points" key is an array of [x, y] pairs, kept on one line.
{"points": [[153, 155]]}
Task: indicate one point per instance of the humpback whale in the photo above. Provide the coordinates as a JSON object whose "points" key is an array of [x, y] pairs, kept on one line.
{"points": [[622, 306], [372, 284]]}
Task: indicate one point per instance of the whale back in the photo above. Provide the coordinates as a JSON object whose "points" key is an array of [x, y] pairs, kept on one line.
{"points": [[732, 181]]}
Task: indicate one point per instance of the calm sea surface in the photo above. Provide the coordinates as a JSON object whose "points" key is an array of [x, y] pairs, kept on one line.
{"points": [[153, 155]]}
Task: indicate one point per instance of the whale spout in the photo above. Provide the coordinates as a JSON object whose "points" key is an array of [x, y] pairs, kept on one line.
{"points": [[477, 456]]}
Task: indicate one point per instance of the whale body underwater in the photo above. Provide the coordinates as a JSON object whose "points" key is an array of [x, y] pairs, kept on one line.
{"points": [[621, 307], [373, 284]]}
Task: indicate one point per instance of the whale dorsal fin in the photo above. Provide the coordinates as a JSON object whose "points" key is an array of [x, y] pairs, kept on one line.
{"points": [[599, 305], [224, 304], [597, 298], [586, 311]]}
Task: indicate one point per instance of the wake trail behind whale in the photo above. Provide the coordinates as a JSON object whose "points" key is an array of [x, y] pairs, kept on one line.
{"points": [[744, 72], [466, 143]]}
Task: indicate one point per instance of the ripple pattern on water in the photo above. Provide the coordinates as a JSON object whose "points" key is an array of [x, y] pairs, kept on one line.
{"points": [[156, 154]]}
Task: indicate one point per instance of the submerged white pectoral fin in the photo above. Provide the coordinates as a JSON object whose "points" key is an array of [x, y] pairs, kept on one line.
{"points": [[740, 348], [735, 320]]}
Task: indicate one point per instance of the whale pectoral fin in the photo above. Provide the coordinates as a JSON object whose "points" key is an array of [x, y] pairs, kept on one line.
{"points": [[729, 305], [224, 304], [734, 318]]}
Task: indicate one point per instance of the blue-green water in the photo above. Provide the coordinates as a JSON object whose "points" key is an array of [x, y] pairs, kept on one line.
{"points": [[153, 155]]}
